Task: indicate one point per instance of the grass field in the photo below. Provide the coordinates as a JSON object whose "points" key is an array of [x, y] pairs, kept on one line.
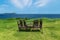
{"points": [[9, 30]]}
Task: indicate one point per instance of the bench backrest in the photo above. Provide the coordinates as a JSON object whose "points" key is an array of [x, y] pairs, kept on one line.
{"points": [[36, 24]]}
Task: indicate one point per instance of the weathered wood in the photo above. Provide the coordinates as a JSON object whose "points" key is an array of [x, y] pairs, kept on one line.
{"points": [[20, 24], [36, 24], [24, 23], [41, 23]]}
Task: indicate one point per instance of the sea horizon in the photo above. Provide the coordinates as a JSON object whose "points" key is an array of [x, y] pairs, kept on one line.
{"points": [[14, 15]]}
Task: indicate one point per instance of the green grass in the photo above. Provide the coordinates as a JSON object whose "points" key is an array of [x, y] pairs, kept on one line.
{"points": [[9, 30]]}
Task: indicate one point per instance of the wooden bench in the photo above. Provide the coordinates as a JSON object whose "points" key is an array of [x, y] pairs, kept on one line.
{"points": [[36, 24]]}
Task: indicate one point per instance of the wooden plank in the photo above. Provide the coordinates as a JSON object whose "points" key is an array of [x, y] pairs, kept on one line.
{"points": [[41, 23]]}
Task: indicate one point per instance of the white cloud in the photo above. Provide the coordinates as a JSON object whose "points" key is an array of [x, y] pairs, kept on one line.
{"points": [[42, 3], [21, 3], [27, 3]]}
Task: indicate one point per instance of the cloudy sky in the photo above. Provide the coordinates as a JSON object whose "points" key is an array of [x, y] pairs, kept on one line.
{"points": [[30, 6]]}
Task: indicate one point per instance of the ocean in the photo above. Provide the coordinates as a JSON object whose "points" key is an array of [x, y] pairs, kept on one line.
{"points": [[29, 15]]}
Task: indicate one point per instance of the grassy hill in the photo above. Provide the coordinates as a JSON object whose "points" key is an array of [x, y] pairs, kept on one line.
{"points": [[9, 30]]}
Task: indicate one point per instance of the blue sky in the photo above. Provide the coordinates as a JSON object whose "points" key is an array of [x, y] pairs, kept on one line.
{"points": [[30, 6]]}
